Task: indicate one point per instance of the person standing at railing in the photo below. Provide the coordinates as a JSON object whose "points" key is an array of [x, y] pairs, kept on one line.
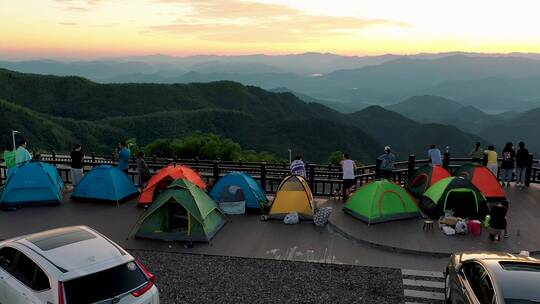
{"points": [[349, 168], [10, 157], [477, 154], [387, 160], [507, 165], [522, 160], [491, 161], [123, 157], [22, 155], [77, 157], [434, 155], [142, 170], [298, 167]]}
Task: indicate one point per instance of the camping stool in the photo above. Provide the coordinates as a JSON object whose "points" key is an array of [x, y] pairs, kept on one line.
{"points": [[428, 225]]}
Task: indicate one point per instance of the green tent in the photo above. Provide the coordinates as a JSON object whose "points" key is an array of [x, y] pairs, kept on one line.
{"points": [[381, 201], [183, 212], [456, 194]]}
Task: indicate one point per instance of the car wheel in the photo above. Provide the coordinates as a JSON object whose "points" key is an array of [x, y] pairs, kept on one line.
{"points": [[447, 289]]}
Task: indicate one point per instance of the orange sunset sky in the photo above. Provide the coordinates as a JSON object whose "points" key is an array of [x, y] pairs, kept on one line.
{"points": [[99, 28]]}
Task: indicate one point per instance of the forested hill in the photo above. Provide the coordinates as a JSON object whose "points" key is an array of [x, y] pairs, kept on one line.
{"points": [[62, 110]]}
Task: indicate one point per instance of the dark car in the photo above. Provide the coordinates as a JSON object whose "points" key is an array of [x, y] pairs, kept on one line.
{"points": [[492, 278]]}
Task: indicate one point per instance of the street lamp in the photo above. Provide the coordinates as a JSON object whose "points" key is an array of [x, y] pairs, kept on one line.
{"points": [[13, 133], [290, 156]]}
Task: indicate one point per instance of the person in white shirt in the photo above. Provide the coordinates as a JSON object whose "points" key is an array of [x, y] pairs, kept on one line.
{"points": [[434, 155], [349, 179]]}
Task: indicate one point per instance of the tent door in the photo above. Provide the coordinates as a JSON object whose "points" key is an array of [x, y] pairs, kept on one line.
{"points": [[462, 201], [179, 218]]}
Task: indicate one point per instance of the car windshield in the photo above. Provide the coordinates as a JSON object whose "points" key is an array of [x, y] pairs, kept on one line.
{"points": [[104, 285]]}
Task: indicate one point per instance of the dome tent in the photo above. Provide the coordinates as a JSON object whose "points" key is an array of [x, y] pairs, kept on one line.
{"points": [[456, 194], [425, 176], [484, 180], [182, 212], [381, 201], [105, 183], [33, 184], [245, 188], [164, 177], [293, 195]]}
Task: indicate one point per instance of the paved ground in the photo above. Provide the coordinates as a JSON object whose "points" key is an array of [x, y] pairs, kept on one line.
{"points": [[244, 236], [407, 235], [186, 278]]}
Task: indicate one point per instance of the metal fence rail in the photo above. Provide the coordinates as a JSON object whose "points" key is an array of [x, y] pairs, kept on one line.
{"points": [[324, 180]]}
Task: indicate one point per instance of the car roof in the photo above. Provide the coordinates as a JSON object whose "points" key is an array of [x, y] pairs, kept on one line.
{"points": [[516, 276], [73, 249]]}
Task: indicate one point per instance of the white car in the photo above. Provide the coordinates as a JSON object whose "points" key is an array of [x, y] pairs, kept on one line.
{"points": [[72, 265]]}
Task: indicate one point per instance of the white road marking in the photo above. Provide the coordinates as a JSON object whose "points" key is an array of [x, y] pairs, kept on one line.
{"points": [[421, 283], [424, 294], [421, 273]]}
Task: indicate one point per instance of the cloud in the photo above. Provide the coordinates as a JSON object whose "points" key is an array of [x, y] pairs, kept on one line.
{"points": [[248, 21], [79, 5]]}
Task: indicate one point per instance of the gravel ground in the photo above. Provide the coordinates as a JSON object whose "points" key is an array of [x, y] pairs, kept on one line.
{"points": [[187, 278]]}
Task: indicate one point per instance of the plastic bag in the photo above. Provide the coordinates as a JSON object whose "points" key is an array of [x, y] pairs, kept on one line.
{"points": [[448, 230], [291, 219], [486, 221], [321, 216], [461, 227]]}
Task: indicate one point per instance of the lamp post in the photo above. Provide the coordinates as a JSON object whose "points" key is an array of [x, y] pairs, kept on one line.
{"points": [[13, 133], [290, 156]]}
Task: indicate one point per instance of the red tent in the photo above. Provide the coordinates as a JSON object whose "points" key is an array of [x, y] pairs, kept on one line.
{"points": [[165, 177], [424, 177], [484, 180]]}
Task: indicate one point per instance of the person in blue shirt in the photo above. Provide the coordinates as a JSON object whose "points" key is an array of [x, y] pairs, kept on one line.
{"points": [[434, 155], [22, 155], [123, 156]]}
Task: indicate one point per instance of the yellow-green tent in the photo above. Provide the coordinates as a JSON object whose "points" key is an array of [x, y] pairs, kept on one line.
{"points": [[293, 195]]}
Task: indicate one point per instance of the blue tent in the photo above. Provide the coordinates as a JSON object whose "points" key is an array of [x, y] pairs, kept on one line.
{"points": [[105, 183], [226, 190], [33, 184]]}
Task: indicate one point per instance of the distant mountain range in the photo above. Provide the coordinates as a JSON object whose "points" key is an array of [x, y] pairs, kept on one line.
{"points": [[55, 112], [497, 129], [490, 82]]}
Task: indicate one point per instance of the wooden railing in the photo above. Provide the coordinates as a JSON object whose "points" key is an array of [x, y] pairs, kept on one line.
{"points": [[323, 179]]}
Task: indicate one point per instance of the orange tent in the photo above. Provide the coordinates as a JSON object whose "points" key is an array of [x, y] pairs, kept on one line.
{"points": [[165, 177], [484, 180]]}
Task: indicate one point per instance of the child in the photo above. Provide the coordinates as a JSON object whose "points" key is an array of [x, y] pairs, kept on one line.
{"points": [[497, 221]]}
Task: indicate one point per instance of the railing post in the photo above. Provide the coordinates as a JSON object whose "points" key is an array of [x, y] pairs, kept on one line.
{"points": [[263, 175], [53, 155], [411, 165], [154, 158], [311, 177], [528, 171], [216, 170], [446, 160], [240, 163], [113, 158], [196, 161], [93, 157]]}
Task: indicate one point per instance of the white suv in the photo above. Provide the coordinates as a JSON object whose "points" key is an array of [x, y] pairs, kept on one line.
{"points": [[72, 265]]}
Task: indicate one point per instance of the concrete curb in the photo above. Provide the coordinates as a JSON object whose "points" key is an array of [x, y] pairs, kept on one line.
{"points": [[361, 241]]}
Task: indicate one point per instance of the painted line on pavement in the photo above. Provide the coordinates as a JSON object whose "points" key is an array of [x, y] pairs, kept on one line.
{"points": [[421, 273], [424, 294], [422, 283]]}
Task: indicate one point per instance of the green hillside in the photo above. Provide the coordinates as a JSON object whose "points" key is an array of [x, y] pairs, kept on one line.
{"points": [[66, 110]]}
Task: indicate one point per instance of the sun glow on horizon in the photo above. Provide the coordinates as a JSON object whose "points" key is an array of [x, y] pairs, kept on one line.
{"points": [[108, 28]]}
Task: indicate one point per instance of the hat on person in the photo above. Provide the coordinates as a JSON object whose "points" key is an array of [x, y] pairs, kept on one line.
{"points": [[387, 148]]}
